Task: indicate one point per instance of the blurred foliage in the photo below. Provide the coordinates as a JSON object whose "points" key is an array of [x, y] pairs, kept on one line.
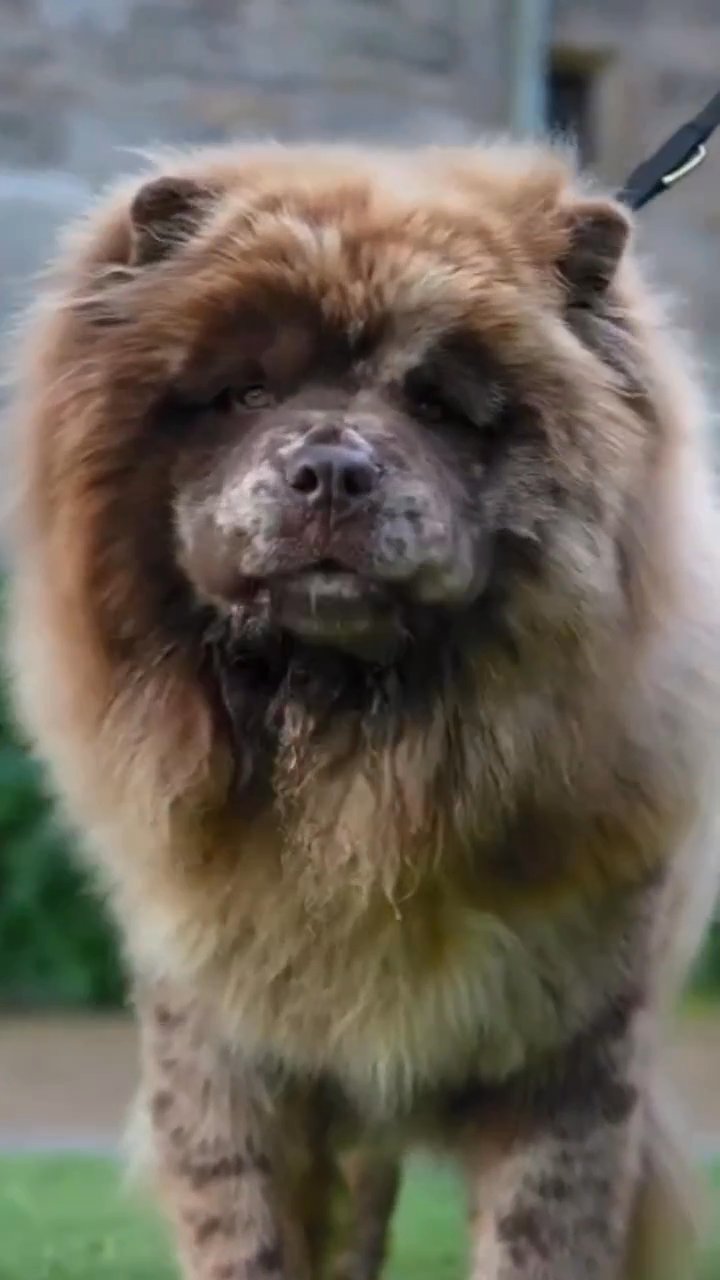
{"points": [[706, 979], [56, 947]]}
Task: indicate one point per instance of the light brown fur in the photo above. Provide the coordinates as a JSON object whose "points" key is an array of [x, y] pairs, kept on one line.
{"points": [[427, 914]]}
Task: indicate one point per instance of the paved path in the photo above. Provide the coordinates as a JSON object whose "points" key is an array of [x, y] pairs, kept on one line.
{"points": [[67, 1082]]}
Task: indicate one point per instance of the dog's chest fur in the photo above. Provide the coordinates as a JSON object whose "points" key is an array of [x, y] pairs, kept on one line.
{"points": [[394, 999]]}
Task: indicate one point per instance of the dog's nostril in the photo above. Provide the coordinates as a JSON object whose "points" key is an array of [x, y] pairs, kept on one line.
{"points": [[357, 479], [325, 474], [305, 479]]}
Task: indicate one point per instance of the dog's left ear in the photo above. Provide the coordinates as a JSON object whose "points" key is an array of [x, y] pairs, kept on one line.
{"points": [[598, 232], [165, 213]]}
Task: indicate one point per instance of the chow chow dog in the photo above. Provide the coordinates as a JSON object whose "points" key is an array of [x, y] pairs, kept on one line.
{"points": [[365, 612]]}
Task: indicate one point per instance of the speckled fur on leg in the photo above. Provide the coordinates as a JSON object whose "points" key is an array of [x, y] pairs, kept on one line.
{"points": [[215, 1144], [553, 1188], [558, 1208]]}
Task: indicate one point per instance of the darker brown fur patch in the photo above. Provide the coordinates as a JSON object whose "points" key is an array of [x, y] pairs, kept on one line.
{"points": [[210, 1228], [267, 1260], [525, 1229], [169, 1019], [553, 1187], [161, 1104], [201, 1173]]}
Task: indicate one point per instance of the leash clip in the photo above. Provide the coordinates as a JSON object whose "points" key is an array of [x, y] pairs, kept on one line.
{"points": [[693, 162], [674, 160]]}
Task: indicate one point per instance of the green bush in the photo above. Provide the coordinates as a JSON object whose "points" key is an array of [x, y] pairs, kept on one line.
{"points": [[56, 947], [706, 979]]}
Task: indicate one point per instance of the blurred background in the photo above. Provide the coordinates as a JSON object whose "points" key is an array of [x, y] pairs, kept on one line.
{"points": [[85, 82]]}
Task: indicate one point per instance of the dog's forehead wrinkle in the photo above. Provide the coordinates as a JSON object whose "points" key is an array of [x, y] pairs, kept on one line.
{"points": [[405, 289], [294, 327]]}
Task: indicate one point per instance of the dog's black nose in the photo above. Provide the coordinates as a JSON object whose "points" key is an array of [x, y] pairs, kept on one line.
{"points": [[330, 474]]}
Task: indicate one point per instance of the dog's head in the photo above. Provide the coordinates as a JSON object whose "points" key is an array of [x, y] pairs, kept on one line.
{"points": [[370, 416]]}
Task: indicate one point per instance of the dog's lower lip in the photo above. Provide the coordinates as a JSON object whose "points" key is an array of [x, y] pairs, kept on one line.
{"points": [[329, 604], [328, 590]]}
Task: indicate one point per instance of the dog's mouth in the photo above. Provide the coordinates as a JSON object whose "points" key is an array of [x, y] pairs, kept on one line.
{"points": [[328, 604]]}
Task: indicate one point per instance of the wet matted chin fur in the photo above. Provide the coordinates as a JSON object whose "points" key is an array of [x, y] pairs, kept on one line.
{"points": [[564, 753]]}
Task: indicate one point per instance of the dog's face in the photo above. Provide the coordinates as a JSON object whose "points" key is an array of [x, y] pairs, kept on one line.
{"points": [[362, 408], [337, 484]]}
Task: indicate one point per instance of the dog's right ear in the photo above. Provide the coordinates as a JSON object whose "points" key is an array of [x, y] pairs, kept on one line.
{"points": [[598, 231], [165, 213]]}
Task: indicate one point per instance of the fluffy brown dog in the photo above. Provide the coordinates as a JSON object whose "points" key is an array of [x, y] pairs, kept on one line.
{"points": [[365, 611]]}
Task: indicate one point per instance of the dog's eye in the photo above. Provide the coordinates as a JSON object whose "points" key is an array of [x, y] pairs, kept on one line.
{"points": [[254, 396], [426, 400]]}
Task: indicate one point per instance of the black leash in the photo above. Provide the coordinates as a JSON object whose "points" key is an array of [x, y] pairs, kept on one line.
{"points": [[675, 159]]}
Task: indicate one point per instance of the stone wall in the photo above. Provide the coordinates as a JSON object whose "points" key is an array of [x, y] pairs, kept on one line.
{"points": [[84, 81]]}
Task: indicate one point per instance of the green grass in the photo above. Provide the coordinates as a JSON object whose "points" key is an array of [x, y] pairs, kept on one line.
{"points": [[68, 1218]]}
